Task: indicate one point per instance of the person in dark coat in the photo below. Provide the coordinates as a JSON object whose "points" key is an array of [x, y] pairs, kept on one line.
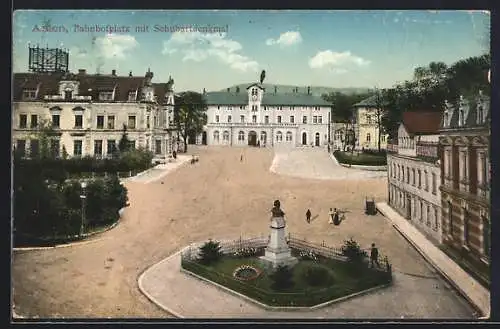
{"points": [[374, 256], [336, 220], [308, 215]]}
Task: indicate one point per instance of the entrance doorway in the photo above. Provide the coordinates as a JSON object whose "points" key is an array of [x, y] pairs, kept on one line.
{"points": [[204, 138], [316, 141], [252, 138], [304, 138]]}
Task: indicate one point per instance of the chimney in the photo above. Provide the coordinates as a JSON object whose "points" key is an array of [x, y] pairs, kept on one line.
{"points": [[82, 71], [130, 74], [309, 90], [113, 72]]}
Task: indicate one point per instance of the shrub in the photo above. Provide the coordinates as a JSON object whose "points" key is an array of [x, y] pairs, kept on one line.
{"points": [[317, 276], [353, 251], [246, 252], [210, 252], [282, 278]]}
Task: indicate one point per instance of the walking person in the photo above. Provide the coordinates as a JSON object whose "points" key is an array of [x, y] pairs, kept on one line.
{"points": [[374, 256], [241, 157], [330, 216], [308, 216], [336, 217]]}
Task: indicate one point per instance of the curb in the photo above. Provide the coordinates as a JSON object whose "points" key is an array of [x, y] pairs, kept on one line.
{"points": [[79, 242], [438, 269], [167, 171]]}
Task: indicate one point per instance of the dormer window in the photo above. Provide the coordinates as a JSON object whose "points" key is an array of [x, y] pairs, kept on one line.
{"points": [[461, 118], [68, 95], [29, 94], [132, 95], [106, 96]]}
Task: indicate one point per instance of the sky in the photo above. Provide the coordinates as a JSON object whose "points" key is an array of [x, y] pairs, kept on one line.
{"points": [[216, 49]]}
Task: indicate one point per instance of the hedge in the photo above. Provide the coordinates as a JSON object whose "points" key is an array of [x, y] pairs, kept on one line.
{"points": [[361, 159]]}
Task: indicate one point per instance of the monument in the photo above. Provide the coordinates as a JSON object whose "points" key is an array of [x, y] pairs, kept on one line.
{"points": [[277, 251]]}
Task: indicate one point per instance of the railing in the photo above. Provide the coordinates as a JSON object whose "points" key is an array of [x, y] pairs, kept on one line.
{"points": [[393, 148], [427, 149]]}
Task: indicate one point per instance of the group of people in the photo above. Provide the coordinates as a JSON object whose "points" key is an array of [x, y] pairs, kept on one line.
{"points": [[333, 216]]}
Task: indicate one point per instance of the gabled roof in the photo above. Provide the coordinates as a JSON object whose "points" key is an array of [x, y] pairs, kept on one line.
{"points": [[269, 99], [422, 122], [471, 120]]}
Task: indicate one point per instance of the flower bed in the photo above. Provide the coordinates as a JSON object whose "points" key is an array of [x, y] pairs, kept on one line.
{"points": [[246, 273]]}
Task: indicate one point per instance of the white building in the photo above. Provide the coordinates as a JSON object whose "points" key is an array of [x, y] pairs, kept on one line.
{"points": [[88, 112], [414, 172], [258, 117]]}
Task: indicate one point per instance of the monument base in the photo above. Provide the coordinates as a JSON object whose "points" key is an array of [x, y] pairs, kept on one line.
{"points": [[284, 258]]}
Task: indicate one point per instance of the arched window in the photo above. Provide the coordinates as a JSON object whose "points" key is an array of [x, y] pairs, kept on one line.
{"points": [[225, 135], [288, 136], [279, 136], [241, 136], [368, 138], [216, 136]]}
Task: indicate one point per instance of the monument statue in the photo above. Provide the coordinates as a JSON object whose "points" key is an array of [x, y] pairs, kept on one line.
{"points": [[276, 211]]}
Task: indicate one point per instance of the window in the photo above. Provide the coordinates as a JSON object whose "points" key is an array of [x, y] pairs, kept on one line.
{"points": [[263, 137], [54, 147], [421, 209], [217, 119], [216, 136], [34, 148], [288, 136], [254, 118], [78, 121], [292, 119], [266, 119], [315, 119], [158, 146], [461, 118], [68, 95], [450, 218], [368, 119], [23, 121], [29, 94], [131, 96], [407, 175], [241, 136], [111, 122], [21, 147], [242, 118], [254, 108], [382, 138], [77, 148], [434, 183], [448, 165], [111, 147], [466, 226], [98, 147], [304, 119], [413, 174], [225, 136], [278, 118], [100, 122], [131, 145], [106, 96], [419, 179], [56, 120], [131, 121], [34, 121], [368, 138], [147, 122], [229, 119], [320, 119], [279, 136]]}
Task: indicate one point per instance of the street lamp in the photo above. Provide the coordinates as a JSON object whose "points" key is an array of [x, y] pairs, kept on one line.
{"points": [[83, 197]]}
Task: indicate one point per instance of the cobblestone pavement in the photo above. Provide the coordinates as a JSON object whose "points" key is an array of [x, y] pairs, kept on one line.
{"points": [[316, 163], [219, 196], [410, 297]]}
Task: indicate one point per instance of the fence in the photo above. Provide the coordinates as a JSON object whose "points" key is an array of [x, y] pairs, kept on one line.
{"points": [[121, 174]]}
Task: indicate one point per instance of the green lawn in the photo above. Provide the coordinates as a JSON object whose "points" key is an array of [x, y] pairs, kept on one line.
{"points": [[362, 159], [345, 281]]}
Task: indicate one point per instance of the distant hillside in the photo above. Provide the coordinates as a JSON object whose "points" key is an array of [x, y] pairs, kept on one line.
{"points": [[315, 90]]}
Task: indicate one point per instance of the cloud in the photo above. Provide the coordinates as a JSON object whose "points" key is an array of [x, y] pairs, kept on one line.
{"points": [[77, 52], [198, 47], [336, 60], [286, 39], [116, 46]]}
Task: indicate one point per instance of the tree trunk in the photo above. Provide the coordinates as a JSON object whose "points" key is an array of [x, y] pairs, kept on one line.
{"points": [[184, 138]]}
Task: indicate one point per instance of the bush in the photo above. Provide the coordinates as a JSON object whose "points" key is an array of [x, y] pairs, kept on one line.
{"points": [[353, 251], [317, 276], [361, 160], [381, 153], [210, 252], [282, 278]]}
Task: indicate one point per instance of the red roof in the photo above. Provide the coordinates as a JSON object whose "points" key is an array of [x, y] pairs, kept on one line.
{"points": [[422, 123]]}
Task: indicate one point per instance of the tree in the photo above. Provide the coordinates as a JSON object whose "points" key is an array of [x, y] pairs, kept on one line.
{"points": [[190, 114], [44, 134], [124, 144], [262, 76], [210, 252], [379, 113]]}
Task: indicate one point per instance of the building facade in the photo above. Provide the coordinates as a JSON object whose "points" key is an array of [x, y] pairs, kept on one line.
{"points": [[258, 117], [366, 126], [414, 172], [466, 177], [88, 112]]}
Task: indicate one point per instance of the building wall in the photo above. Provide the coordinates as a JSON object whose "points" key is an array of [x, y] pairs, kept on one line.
{"points": [[367, 129], [418, 200]]}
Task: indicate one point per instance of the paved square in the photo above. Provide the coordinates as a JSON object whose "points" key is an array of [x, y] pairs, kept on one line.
{"points": [[218, 197]]}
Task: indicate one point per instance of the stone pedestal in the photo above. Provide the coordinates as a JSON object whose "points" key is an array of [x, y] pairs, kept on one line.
{"points": [[277, 251]]}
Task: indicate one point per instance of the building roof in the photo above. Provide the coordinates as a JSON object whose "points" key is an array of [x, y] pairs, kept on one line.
{"points": [[422, 122], [269, 99], [367, 102], [89, 85], [471, 120]]}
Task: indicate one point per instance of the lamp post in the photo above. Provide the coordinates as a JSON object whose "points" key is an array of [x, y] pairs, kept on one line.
{"points": [[83, 197]]}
